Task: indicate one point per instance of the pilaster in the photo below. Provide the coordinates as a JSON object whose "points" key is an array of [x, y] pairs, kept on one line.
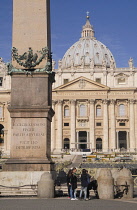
{"points": [[105, 126], [132, 125], [73, 124], [113, 126], [92, 124]]}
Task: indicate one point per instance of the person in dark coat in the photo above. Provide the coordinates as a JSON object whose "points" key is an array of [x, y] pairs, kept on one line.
{"points": [[73, 183], [84, 183], [69, 182]]}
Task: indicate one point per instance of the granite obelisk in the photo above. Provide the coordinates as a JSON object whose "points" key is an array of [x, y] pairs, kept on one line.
{"points": [[31, 87]]}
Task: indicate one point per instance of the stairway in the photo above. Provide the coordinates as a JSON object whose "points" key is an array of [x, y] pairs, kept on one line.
{"points": [[76, 161]]}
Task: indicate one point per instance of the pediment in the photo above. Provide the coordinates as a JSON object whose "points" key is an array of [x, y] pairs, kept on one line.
{"points": [[82, 83], [121, 75]]}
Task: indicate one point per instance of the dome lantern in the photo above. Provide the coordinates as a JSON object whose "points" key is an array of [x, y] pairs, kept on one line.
{"points": [[88, 30]]}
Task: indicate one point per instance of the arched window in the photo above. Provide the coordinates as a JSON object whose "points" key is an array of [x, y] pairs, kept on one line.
{"points": [[98, 110], [82, 110], [66, 111], [121, 110]]}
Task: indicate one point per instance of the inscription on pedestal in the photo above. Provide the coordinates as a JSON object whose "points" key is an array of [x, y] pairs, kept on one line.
{"points": [[28, 137]]}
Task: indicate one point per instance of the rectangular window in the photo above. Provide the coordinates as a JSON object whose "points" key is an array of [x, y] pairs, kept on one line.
{"points": [[66, 81], [122, 124], [98, 80], [98, 124], [82, 110], [66, 124], [1, 80]]}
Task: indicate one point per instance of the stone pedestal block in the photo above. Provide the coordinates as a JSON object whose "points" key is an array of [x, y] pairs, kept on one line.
{"points": [[31, 114], [105, 184], [46, 186], [125, 183]]}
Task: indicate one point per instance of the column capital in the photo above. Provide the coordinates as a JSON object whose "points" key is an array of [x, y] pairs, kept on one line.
{"points": [[92, 101], [132, 101], [60, 102], [73, 101], [54, 102], [112, 101], [105, 101]]}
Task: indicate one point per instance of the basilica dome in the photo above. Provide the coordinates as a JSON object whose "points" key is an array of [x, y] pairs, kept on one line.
{"points": [[87, 52]]}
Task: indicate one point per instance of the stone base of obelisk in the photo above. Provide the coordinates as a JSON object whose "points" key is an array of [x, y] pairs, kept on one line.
{"points": [[31, 114], [28, 165]]}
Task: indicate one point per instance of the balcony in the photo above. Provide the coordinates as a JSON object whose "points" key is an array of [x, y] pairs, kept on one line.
{"points": [[122, 118], [82, 118]]}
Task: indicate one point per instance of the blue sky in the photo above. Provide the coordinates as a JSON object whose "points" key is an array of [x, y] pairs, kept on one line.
{"points": [[114, 23]]}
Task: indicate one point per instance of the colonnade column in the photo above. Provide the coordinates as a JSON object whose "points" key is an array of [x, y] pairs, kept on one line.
{"points": [[128, 145], [113, 127], [92, 124], [60, 136], [53, 140], [132, 126], [105, 126], [73, 125], [117, 140], [77, 139]]}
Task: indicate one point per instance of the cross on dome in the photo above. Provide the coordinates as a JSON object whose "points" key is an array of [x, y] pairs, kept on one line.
{"points": [[88, 30], [87, 15]]}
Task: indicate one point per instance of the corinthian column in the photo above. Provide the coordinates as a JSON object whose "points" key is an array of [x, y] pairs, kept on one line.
{"points": [[132, 126], [59, 135], [53, 140], [73, 124], [92, 124], [113, 126], [105, 126]]}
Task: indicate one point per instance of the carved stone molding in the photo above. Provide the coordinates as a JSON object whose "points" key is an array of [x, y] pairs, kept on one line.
{"points": [[59, 73], [112, 101], [54, 102], [105, 101], [132, 101], [92, 101], [104, 73], [60, 102], [73, 102]]}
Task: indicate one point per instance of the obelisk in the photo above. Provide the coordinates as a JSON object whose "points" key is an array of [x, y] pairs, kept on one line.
{"points": [[31, 87]]}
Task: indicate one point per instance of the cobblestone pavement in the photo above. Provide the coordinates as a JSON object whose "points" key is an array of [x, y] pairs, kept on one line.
{"points": [[66, 204]]}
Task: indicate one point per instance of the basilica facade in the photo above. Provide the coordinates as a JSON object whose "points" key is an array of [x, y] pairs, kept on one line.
{"points": [[95, 103]]}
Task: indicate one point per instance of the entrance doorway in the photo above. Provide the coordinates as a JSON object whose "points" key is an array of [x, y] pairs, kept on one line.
{"points": [[122, 139], [82, 140], [98, 144], [66, 143]]}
